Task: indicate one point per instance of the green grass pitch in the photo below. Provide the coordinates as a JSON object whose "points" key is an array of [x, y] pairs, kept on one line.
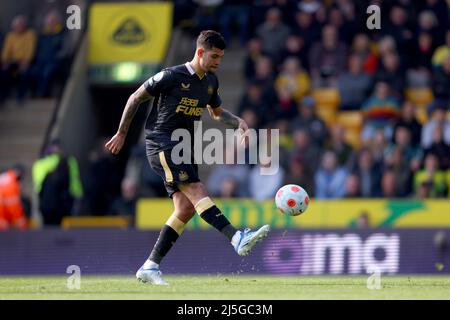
{"points": [[225, 287]]}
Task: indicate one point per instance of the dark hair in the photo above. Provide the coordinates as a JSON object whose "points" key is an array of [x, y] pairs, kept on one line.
{"points": [[209, 39]]}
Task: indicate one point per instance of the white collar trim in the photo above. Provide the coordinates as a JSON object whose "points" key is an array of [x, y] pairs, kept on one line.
{"points": [[189, 67]]}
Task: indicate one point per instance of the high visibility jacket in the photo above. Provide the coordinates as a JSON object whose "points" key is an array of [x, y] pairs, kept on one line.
{"points": [[11, 210]]}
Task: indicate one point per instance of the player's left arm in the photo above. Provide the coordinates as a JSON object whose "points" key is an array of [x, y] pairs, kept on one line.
{"points": [[227, 117]]}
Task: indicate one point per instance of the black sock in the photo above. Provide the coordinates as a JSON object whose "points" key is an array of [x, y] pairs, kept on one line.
{"points": [[166, 240], [216, 218]]}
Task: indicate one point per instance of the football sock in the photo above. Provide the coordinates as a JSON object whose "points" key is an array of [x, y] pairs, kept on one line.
{"points": [[167, 237], [212, 215]]}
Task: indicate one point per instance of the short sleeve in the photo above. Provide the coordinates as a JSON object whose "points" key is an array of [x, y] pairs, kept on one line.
{"points": [[215, 100], [159, 83]]}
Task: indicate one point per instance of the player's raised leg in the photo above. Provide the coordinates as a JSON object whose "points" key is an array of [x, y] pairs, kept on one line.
{"points": [[242, 241], [183, 212]]}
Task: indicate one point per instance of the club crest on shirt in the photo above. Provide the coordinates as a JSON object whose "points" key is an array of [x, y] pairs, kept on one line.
{"points": [[183, 176]]}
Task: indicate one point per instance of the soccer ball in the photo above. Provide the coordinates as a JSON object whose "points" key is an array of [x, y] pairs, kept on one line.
{"points": [[292, 199]]}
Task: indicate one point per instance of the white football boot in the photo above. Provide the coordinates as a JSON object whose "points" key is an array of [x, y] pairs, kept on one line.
{"points": [[243, 241]]}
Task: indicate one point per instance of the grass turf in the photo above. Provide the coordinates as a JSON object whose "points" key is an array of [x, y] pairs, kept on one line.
{"points": [[227, 287]]}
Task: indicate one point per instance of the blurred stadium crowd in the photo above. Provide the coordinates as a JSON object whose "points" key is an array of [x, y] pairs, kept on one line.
{"points": [[361, 113]]}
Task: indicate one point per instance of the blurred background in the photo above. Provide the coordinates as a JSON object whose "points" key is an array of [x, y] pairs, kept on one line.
{"points": [[363, 114]]}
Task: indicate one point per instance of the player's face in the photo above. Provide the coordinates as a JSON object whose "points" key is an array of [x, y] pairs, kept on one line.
{"points": [[210, 59]]}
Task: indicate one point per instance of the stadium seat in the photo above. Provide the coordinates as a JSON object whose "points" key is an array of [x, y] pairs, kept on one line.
{"points": [[326, 97], [96, 222], [419, 96], [421, 114], [328, 115], [353, 137], [350, 119]]}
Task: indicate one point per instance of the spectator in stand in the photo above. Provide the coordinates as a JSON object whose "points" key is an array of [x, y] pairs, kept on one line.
{"points": [[408, 120], [398, 163], [440, 11], [361, 48], [273, 33], [306, 29], [339, 146], [347, 28], [391, 72], [12, 213], [352, 186], [380, 110], [254, 52], [293, 78], [50, 54], [137, 169], [330, 178], [432, 175], [125, 204], [238, 11], [17, 54], [441, 82], [369, 174], [429, 24], [309, 121], [438, 120], [440, 148], [309, 6], [419, 75], [253, 101], [305, 149], [286, 107], [229, 188], [265, 76], [353, 85], [398, 28], [442, 52], [327, 59], [207, 15], [423, 51], [102, 181], [295, 47], [230, 169], [412, 154], [388, 185], [263, 187], [57, 182], [378, 145], [299, 172], [386, 45]]}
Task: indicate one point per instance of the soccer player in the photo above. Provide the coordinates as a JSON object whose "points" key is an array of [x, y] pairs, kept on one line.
{"points": [[181, 93]]}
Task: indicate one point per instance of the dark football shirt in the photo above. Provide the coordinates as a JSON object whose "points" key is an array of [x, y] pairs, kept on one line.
{"points": [[180, 97]]}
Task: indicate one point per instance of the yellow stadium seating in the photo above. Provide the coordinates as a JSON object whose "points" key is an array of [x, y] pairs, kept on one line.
{"points": [[419, 96], [96, 222], [350, 119], [328, 115], [326, 97], [353, 137], [421, 114]]}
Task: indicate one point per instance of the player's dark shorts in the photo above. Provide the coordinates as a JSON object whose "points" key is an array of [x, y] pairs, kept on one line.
{"points": [[173, 174]]}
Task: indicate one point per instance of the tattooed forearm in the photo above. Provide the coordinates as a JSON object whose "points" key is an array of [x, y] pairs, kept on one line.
{"points": [[228, 118], [130, 110]]}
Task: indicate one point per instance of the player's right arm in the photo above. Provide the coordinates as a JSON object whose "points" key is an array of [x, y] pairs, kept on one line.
{"points": [[117, 141]]}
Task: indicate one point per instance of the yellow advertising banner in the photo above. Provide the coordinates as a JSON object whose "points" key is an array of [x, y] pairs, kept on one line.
{"points": [[137, 32], [153, 213]]}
